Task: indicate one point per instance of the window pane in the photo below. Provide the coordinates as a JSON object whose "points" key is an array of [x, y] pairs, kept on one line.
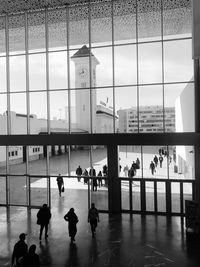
{"points": [[16, 34], [154, 162], [17, 159], [37, 72], [150, 63], [104, 70], [18, 195], [151, 109], [58, 70], [38, 191], [18, 114], [36, 31], [99, 189], [3, 160], [125, 65], [58, 160], [178, 63], [136, 195], [124, 22], [177, 19], [3, 80], [57, 29], [38, 111], [38, 162], [78, 26], [175, 197], [149, 187], [126, 108], [3, 114], [125, 194], [2, 190], [17, 73], [178, 97], [104, 117], [2, 36], [101, 23], [149, 20], [161, 197], [187, 192], [59, 111], [130, 161]]}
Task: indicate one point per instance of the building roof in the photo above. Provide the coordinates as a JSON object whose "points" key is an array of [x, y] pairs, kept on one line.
{"points": [[83, 52]]}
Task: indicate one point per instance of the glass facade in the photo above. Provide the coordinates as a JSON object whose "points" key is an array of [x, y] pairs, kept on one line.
{"points": [[99, 67]]}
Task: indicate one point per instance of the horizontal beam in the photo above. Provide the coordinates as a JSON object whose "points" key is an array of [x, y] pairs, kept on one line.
{"points": [[102, 139]]}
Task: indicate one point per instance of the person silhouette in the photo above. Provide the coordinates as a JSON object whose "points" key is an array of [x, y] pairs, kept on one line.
{"points": [[43, 218], [72, 220], [93, 218], [20, 249], [60, 183]]}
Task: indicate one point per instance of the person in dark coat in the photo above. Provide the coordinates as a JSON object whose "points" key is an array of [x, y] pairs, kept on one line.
{"points": [[79, 172], [155, 159], [31, 258], [43, 218], [99, 175], [72, 220], [85, 179], [161, 161], [152, 167], [93, 218], [60, 183], [20, 249]]}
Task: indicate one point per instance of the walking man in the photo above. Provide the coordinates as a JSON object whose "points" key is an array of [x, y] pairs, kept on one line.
{"points": [[20, 249], [43, 218], [72, 220], [60, 183], [79, 172], [93, 218]]}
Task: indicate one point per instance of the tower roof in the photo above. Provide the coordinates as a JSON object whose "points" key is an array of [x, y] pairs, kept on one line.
{"points": [[83, 52]]}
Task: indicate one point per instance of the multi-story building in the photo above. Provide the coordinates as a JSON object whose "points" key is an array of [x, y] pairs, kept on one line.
{"points": [[150, 119]]}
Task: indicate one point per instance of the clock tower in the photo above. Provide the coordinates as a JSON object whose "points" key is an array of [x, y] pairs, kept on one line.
{"points": [[81, 60]]}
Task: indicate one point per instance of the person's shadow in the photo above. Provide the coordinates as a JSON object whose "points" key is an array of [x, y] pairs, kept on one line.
{"points": [[73, 257]]}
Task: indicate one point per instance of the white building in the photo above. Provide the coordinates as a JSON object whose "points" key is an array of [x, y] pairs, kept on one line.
{"points": [[150, 119]]}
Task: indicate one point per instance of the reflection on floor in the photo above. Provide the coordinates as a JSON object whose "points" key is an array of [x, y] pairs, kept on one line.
{"points": [[121, 241]]}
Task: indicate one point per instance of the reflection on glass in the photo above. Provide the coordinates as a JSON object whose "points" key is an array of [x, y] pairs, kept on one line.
{"points": [[38, 112], [57, 29], [17, 73], [103, 104], [151, 109], [36, 31], [18, 190], [3, 113], [101, 22], [16, 34], [38, 191], [18, 113], [125, 65], [58, 70], [155, 162], [177, 21], [178, 63], [124, 23], [37, 72], [136, 195], [175, 196], [2, 190], [149, 186], [150, 63], [3, 74], [149, 20], [126, 109], [161, 197], [78, 26], [103, 73]]}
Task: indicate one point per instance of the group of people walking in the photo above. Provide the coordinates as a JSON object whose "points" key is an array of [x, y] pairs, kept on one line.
{"points": [[159, 160], [22, 256]]}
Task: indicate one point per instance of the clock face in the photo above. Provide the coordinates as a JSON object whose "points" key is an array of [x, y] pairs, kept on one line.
{"points": [[82, 72]]}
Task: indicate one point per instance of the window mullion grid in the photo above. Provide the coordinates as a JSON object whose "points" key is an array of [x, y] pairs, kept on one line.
{"points": [[8, 107], [69, 84], [27, 109], [137, 60], [48, 105], [113, 63]]}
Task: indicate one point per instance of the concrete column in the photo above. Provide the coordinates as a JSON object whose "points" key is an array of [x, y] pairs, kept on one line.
{"points": [[114, 184]]}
